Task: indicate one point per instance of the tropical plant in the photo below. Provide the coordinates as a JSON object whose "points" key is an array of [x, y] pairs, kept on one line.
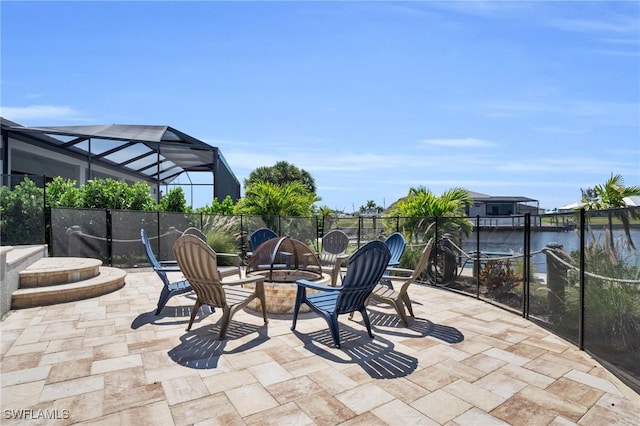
{"points": [[21, 213], [610, 196], [225, 207], [280, 174], [174, 201], [63, 192], [423, 207]]}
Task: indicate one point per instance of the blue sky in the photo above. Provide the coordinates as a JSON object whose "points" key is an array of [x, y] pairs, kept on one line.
{"points": [[537, 99]]}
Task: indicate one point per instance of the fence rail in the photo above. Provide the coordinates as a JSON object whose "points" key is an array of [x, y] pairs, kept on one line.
{"points": [[575, 274]]}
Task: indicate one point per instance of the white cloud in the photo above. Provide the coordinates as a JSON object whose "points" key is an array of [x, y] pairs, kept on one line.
{"points": [[459, 142], [615, 24], [39, 112]]}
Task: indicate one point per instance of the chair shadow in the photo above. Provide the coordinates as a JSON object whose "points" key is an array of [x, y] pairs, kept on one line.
{"points": [[419, 327], [201, 349], [170, 315], [377, 357]]}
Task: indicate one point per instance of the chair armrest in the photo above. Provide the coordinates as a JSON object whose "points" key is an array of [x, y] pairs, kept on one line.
{"points": [[243, 281], [315, 286], [400, 270], [235, 256], [168, 269]]}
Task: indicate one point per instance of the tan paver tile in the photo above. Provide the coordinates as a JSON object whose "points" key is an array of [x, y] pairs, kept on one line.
{"points": [[251, 399], [248, 359], [120, 380], [119, 363], [28, 348], [518, 411], [69, 370], [577, 392], [22, 395], [526, 375], [433, 377], [477, 417], [293, 389], [125, 398], [551, 401], [65, 345], [501, 384], [210, 410], [71, 355], [525, 350], [366, 419], [561, 421], [111, 350], [332, 381], [270, 373], [17, 377], [441, 406], [72, 387], [287, 414], [398, 413], [475, 395], [230, 380], [594, 382], [20, 362], [484, 362], [364, 398], [324, 409], [305, 366], [403, 389], [152, 414], [81, 407], [507, 356], [183, 389]]}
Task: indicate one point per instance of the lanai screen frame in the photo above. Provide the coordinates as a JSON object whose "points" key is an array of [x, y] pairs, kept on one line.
{"points": [[165, 152]]}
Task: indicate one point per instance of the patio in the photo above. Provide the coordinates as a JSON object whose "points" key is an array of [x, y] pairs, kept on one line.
{"points": [[109, 360]]}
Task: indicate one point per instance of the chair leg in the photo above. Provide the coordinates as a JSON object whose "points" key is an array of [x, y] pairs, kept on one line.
{"points": [[407, 302], [163, 299], [365, 317], [263, 300], [335, 330], [300, 295], [397, 304], [194, 311], [224, 325]]}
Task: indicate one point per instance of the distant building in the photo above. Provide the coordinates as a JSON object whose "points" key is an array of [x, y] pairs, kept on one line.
{"points": [[500, 205], [131, 153]]}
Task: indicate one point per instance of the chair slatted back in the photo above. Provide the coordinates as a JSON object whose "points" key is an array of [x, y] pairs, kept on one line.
{"points": [[198, 263], [259, 236], [396, 244], [422, 263], [151, 257], [335, 242], [364, 270]]}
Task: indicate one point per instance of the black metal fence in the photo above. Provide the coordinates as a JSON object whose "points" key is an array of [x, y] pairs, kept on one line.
{"points": [[576, 274]]}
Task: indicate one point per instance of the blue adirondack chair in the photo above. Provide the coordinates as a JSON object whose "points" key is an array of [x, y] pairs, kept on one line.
{"points": [[169, 288], [258, 237], [364, 269], [396, 244]]}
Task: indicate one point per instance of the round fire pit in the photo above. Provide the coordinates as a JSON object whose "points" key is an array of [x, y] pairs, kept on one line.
{"points": [[282, 261]]}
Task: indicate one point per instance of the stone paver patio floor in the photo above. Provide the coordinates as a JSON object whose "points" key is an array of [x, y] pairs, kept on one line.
{"points": [[109, 360]]}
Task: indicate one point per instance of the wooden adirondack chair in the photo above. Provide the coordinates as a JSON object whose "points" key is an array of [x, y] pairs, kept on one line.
{"points": [[334, 247], [400, 298], [199, 265]]}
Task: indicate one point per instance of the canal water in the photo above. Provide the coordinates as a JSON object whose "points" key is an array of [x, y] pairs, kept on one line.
{"points": [[513, 242]]}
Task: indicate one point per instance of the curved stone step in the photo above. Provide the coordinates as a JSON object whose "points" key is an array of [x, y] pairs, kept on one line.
{"points": [[50, 271], [108, 280]]}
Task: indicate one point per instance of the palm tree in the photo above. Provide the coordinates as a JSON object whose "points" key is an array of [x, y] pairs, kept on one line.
{"points": [[611, 196], [270, 200], [422, 204]]}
